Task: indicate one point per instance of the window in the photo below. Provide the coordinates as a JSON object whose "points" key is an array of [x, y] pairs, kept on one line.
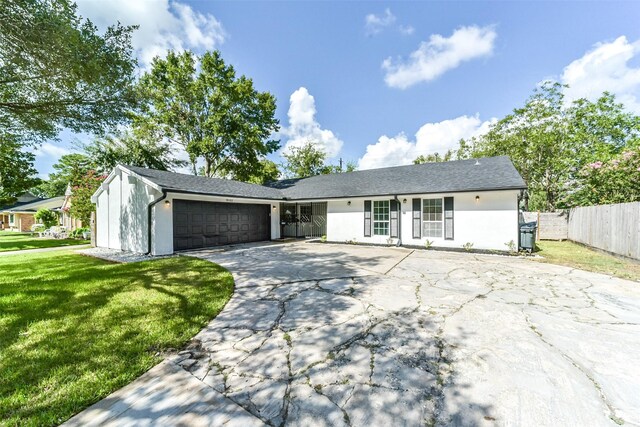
{"points": [[432, 217], [11, 219], [381, 218]]}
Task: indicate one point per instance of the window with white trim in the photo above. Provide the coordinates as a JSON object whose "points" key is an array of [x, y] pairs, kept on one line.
{"points": [[11, 219], [432, 217], [380, 217]]}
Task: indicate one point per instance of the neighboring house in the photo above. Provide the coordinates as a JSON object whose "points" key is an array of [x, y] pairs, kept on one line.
{"points": [[19, 216], [449, 203], [66, 219]]}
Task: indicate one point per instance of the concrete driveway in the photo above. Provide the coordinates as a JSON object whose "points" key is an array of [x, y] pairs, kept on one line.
{"points": [[320, 334]]}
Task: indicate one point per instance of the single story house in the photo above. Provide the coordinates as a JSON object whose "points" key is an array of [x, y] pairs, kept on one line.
{"points": [[19, 216], [449, 204]]}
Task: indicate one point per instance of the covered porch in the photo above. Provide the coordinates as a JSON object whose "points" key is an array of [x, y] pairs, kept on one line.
{"points": [[303, 219]]}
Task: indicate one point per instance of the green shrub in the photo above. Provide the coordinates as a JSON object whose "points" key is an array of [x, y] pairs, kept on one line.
{"points": [[48, 217], [77, 233]]}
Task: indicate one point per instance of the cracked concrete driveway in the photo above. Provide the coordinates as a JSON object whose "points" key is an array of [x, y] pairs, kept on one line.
{"points": [[320, 334]]}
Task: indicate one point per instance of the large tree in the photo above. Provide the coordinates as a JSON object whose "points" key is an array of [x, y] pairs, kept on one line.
{"points": [[308, 159], [69, 170], [134, 147], [17, 173], [554, 146], [215, 115], [266, 171], [535, 137], [57, 71], [303, 161], [82, 190]]}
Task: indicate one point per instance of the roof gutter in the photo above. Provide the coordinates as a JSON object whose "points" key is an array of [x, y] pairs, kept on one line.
{"points": [[149, 208], [399, 243]]}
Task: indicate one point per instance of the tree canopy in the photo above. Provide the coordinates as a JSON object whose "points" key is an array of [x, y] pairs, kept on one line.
{"points": [[133, 147], [69, 170], [57, 71], [555, 145], [200, 103], [17, 173], [309, 160]]}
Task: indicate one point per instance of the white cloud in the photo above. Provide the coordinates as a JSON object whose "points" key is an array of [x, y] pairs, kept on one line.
{"points": [[304, 128], [430, 138], [606, 68], [51, 150], [164, 25], [373, 24], [439, 55], [407, 30]]}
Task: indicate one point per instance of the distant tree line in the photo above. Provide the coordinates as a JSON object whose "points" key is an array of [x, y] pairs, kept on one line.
{"points": [[577, 154]]}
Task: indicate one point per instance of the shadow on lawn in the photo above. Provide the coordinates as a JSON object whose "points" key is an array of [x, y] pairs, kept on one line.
{"points": [[74, 328]]}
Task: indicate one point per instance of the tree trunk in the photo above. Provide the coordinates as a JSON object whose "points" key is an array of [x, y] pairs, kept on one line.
{"points": [[207, 167]]}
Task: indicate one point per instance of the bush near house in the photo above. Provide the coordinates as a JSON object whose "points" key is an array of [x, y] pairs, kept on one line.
{"points": [[48, 217]]}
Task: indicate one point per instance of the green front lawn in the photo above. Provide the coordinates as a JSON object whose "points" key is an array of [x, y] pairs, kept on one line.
{"points": [[578, 256], [11, 241], [73, 328]]}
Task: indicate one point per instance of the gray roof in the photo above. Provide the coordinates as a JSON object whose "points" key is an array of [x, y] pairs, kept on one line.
{"points": [[180, 182], [34, 205], [489, 173]]}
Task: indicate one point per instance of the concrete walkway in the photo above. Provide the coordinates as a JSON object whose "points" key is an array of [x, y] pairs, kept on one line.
{"points": [[320, 334], [36, 251]]}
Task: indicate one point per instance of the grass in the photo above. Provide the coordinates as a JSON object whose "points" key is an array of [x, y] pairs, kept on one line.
{"points": [[578, 256], [11, 241], [73, 329]]}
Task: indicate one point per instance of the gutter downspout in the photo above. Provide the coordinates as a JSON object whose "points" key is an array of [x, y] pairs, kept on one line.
{"points": [[149, 207], [399, 220]]}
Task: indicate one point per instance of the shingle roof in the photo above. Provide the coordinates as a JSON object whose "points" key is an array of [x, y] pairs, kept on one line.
{"points": [[489, 173], [203, 185], [34, 205]]}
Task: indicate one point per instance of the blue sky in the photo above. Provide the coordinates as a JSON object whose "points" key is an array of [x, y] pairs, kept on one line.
{"points": [[382, 82]]}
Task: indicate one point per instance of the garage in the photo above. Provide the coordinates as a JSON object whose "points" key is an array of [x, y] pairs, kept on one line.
{"points": [[198, 224]]}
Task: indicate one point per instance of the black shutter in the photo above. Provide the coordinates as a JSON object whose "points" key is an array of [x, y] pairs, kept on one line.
{"points": [[393, 218], [417, 206], [367, 218], [448, 218]]}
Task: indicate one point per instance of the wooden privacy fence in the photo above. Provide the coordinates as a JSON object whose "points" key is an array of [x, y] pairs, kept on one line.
{"points": [[612, 228], [551, 225]]}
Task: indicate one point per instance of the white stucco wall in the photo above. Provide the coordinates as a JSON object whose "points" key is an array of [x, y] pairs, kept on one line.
{"points": [[162, 218], [489, 223], [102, 220], [121, 214], [114, 208]]}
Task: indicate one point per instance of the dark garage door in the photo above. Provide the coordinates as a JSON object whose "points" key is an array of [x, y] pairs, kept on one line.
{"points": [[205, 224]]}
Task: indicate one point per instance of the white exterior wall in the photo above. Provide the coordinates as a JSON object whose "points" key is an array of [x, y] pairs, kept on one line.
{"points": [[114, 206], [121, 214], [162, 218], [102, 220], [489, 223]]}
